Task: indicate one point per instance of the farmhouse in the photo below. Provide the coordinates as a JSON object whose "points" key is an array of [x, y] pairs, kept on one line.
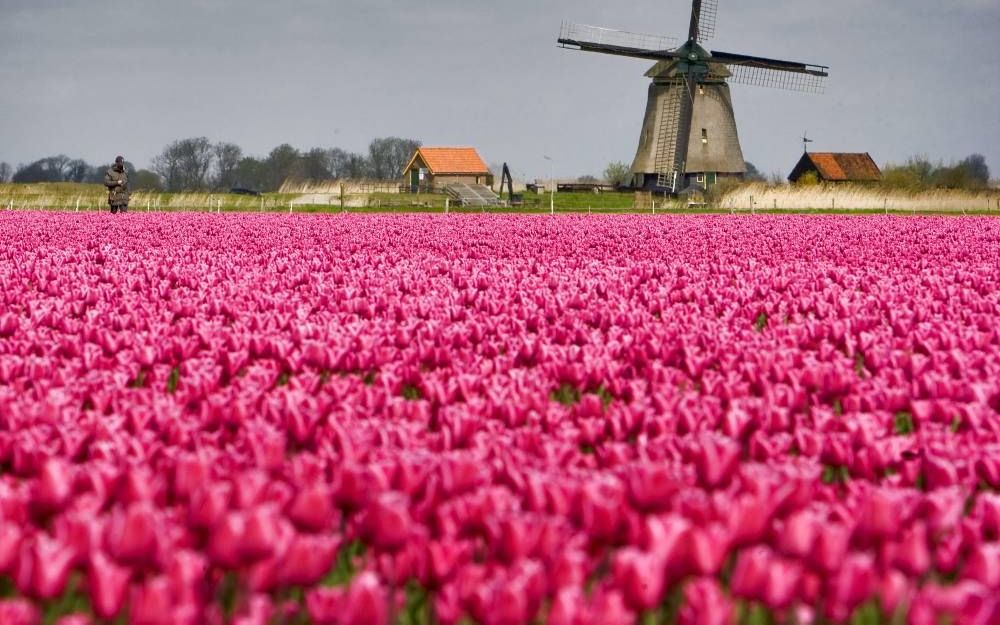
{"points": [[837, 167], [433, 169]]}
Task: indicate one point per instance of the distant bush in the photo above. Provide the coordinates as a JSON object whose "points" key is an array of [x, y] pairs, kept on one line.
{"points": [[808, 179], [919, 174]]}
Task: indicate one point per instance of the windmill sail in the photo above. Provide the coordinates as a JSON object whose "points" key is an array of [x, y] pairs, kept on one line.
{"points": [[617, 42], [707, 13], [762, 72]]}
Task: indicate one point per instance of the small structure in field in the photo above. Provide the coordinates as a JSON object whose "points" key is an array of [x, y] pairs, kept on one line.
{"points": [[434, 169], [836, 167]]}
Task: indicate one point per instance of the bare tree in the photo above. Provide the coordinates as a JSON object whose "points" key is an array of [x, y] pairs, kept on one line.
{"points": [[77, 170], [617, 173], [227, 162], [6, 171], [389, 155], [282, 163], [316, 164], [184, 165], [48, 169], [345, 165]]}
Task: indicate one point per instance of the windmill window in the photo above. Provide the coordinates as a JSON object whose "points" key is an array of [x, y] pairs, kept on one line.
{"points": [[704, 135], [701, 178], [701, 89]]}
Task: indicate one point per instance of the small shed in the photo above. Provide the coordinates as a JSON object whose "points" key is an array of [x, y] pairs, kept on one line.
{"points": [[433, 169], [837, 167]]}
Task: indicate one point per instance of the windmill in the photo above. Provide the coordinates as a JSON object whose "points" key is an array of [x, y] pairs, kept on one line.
{"points": [[689, 134]]}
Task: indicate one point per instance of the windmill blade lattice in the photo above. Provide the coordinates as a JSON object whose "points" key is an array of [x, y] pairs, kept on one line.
{"points": [[758, 76], [706, 19], [602, 39]]}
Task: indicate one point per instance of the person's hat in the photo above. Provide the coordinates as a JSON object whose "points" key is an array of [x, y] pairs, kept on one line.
{"points": [[119, 160]]}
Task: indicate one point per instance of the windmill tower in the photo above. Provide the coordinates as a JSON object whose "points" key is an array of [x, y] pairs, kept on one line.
{"points": [[689, 135]]}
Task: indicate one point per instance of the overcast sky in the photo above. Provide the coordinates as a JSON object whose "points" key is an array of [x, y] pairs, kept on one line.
{"points": [[93, 79]]}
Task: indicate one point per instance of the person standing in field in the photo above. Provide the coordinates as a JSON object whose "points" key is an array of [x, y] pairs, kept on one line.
{"points": [[116, 180]]}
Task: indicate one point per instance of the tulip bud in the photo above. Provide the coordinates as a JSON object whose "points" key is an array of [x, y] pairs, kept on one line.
{"points": [[19, 612], [52, 563], [705, 604], [54, 486], [388, 523], [107, 584]]}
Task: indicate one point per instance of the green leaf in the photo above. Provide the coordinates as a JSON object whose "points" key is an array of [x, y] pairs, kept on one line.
{"points": [[411, 393], [867, 614], [71, 602], [903, 424], [417, 610], [173, 380], [344, 570], [859, 364], [761, 324], [835, 474], [139, 381], [566, 395]]}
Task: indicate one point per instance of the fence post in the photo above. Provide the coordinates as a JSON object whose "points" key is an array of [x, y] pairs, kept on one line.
{"points": [[289, 207], [447, 203], [885, 205], [343, 208], [262, 203], [78, 204], [147, 205], [833, 203]]}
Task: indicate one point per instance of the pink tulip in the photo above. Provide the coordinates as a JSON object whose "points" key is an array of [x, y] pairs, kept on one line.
{"points": [[568, 608], [983, 565], [388, 522], [651, 488], [832, 541], [51, 567], [108, 585], [639, 576], [151, 603], [10, 546], [131, 536], [751, 573], [849, 587], [716, 459], [798, 534], [308, 559], [608, 607], [312, 509], [365, 602], [19, 612], [54, 486], [705, 604]]}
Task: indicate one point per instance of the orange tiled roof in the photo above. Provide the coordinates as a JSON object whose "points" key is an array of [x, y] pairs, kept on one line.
{"points": [[451, 161], [838, 167]]}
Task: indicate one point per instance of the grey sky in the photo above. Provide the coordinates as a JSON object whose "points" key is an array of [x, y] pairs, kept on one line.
{"points": [[93, 79]]}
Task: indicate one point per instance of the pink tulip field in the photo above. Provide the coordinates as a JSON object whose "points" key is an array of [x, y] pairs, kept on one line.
{"points": [[499, 420]]}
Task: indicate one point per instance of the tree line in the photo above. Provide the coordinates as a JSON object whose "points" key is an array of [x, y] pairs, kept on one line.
{"points": [[198, 164], [919, 174]]}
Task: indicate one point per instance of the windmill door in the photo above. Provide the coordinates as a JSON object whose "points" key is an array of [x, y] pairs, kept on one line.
{"points": [[414, 180]]}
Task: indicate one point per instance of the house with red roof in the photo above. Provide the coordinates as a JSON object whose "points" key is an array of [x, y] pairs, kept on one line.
{"points": [[837, 167], [434, 168]]}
